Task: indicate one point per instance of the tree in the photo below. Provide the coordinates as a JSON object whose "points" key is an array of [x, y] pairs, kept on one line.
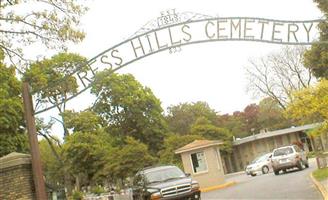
{"points": [[310, 106], [271, 115], [86, 153], [316, 58], [126, 161], [235, 123], [52, 167], [267, 115], [129, 109], [84, 121], [251, 118], [46, 22], [172, 143], [47, 80], [204, 128], [181, 117], [278, 75], [12, 131]]}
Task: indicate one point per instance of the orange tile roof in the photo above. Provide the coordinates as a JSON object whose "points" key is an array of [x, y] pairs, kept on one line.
{"points": [[198, 144]]}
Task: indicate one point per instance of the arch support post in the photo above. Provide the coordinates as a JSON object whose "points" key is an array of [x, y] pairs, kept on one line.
{"points": [[39, 183]]}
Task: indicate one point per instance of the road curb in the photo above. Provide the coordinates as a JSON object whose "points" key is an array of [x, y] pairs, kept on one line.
{"points": [[320, 187], [217, 187]]}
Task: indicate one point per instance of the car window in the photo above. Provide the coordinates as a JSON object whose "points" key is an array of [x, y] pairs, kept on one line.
{"points": [[283, 151], [261, 158]]}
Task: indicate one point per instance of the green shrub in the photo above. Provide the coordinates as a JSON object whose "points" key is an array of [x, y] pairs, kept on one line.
{"points": [[97, 190], [321, 174], [77, 195]]}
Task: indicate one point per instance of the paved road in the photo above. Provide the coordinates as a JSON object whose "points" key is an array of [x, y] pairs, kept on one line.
{"points": [[292, 185]]}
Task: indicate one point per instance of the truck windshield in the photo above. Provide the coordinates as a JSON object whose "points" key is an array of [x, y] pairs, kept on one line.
{"points": [[164, 175]]}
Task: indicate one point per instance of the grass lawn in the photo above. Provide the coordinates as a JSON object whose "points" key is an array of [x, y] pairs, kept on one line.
{"points": [[321, 174]]}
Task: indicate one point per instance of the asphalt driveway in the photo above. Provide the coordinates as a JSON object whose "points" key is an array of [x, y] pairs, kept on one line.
{"points": [[292, 185]]}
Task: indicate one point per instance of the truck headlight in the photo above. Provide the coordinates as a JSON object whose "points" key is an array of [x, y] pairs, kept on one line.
{"points": [[195, 186], [155, 196]]}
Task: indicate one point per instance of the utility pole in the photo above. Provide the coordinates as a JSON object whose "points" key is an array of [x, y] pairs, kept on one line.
{"points": [[35, 152]]}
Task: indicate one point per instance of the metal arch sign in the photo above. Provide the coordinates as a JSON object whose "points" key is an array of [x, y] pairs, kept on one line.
{"points": [[171, 31]]}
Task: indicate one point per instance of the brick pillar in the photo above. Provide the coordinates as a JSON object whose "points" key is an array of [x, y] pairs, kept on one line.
{"points": [[16, 177]]}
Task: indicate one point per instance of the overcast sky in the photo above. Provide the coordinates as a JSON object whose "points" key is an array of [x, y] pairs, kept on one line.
{"points": [[212, 72]]}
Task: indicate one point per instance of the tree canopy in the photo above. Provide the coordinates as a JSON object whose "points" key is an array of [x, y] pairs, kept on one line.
{"points": [[52, 80], [278, 74], [129, 109], [12, 125], [50, 24], [311, 106], [181, 117], [205, 129], [316, 58]]}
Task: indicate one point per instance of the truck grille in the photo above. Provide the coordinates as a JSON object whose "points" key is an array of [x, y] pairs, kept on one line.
{"points": [[176, 190]]}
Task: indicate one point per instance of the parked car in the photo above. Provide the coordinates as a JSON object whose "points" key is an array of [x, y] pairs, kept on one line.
{"points": [[261, 164], [288, 157], [164, 183]]}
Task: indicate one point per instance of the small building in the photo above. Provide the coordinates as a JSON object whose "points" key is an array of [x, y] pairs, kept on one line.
{"points": [[248, 148], [202, 160]]}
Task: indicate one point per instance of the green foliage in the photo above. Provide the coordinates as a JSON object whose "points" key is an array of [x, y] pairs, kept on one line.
{"points": [[12, 137], [51, 23], [206, 130], [52, 168], [271, 115], [172, 143], [84, 121], [77, 195], [321, 174], [311, 105], [129, 109], [127, 160], [86, 153], [181, 117], [15, 142], [46, 76], [235, 123], [316, 58], [97, 190]]}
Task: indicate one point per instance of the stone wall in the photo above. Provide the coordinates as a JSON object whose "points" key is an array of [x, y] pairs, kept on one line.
{"points": [[16, 180]]}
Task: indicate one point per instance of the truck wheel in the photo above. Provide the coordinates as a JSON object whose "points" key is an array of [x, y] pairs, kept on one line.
{"points": [[307, 164], [265, 169], [276, 172]]}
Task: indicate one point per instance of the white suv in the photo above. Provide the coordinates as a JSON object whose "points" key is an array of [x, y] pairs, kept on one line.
{"points": [[260, 164], [288, 157]]}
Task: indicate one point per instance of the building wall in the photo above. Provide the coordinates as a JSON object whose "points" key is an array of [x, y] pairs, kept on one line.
{"points": [[245, 153], [16, 178], [214, 174]]}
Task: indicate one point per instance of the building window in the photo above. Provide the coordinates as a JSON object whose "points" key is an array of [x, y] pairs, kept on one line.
{"points": [[198, 162]]}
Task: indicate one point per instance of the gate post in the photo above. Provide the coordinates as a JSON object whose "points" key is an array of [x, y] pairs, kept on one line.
{"points": [[33, 140]]}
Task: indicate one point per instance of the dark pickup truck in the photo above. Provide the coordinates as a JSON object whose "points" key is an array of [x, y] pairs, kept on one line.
{"points": [[164, 183]]}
